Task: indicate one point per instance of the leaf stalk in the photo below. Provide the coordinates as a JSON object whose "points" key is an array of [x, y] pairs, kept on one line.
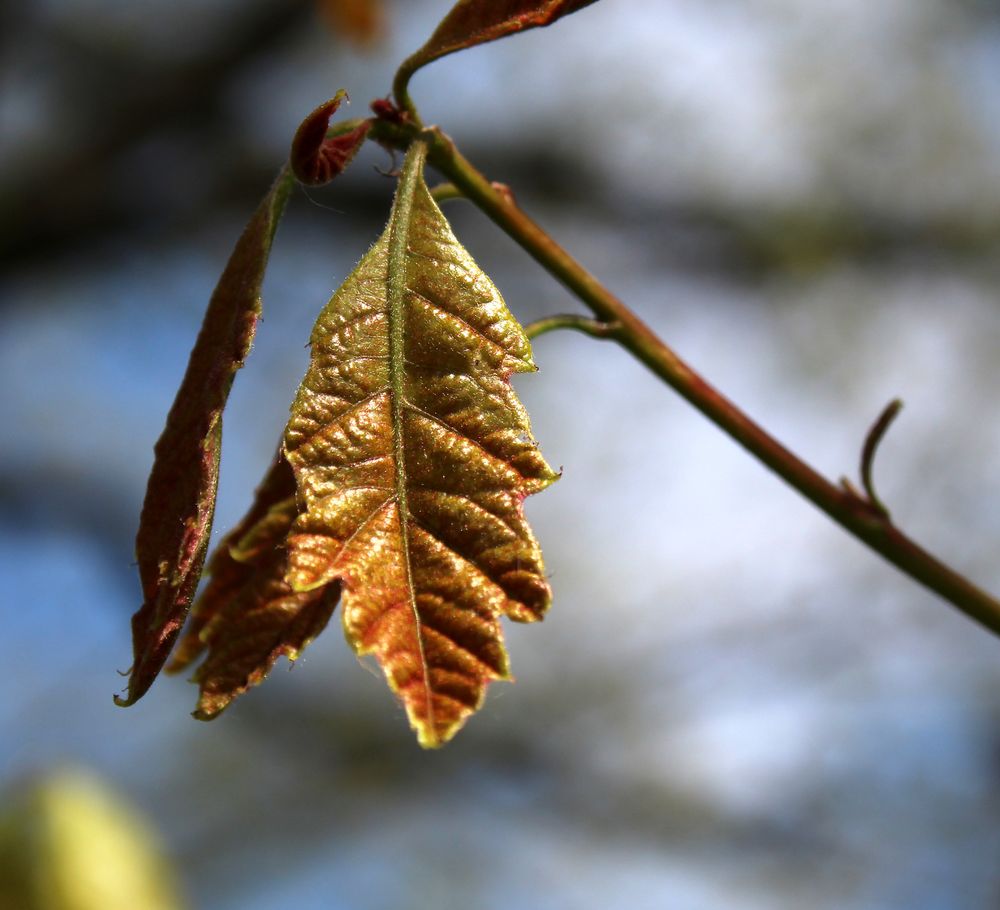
{"points": [[592, 327]]}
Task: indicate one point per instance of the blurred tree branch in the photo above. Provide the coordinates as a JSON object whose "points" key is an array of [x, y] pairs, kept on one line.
{"points": [[126, 101]]}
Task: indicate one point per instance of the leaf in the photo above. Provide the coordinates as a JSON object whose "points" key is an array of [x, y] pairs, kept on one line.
{"points": [[317, 158], [263, 621], [473, 22], [248, 616], [177, 512], [412, 456], [229, 575]]}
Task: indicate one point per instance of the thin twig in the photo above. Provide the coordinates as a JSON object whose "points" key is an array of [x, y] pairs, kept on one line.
{"points": [[444, 192], [875, 436]]}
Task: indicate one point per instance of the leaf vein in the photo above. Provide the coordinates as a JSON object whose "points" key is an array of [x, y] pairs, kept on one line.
{"points": [[454, 431], [457, 644], [434, 305], [471, 563], [353, 408]]}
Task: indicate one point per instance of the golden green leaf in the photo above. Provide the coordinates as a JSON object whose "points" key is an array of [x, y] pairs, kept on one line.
{"points": [[412, 456]]}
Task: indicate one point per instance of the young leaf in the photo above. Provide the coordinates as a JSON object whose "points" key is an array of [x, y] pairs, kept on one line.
{"points": [[317, 158], [264, 620], [180, 496], [228, 575], [248, 616], [473, 22], [412, 456]]}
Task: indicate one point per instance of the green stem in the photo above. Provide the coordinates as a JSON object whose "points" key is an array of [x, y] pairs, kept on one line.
{"points": [[445, 192], [401, 86], [593, 327], [853, 512]]}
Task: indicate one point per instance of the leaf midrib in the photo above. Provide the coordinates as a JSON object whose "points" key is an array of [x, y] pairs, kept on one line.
{"points": [[396, 279]]}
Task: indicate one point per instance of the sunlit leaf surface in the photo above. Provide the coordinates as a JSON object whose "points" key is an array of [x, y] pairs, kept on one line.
{"points": [[180, 496], [412, 456], [472, 22]]}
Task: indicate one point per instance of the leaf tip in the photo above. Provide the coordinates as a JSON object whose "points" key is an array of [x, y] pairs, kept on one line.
{"points": [[429, 740], [432, 735], [211, 705], [139, 683]]}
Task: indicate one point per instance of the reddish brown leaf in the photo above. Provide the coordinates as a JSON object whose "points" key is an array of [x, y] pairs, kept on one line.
{"points": [[180, 496], [473, 22], [227, 574], [413, 456], [264, 621], [317, 158], [252, 616], [247, 616]]}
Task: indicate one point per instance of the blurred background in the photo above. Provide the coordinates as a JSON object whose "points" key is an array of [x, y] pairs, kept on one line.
{"points": [[732, 704]]}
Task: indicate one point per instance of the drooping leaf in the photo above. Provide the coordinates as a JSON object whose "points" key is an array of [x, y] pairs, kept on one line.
{"points": [[228, 575], [264, 620], [412, 456], [316, 158], [248, 616], [177, 512], [472, 22]]}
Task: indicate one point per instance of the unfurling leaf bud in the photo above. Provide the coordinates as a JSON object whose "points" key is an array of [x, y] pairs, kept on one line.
{"points": [[317, 158]]}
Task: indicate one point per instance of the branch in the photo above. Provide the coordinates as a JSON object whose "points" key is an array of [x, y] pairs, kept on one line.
{"points": [[856, 513]]}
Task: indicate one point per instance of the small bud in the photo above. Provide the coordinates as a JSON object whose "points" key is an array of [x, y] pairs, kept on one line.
{"points": [[316, 159], [384, 109]]}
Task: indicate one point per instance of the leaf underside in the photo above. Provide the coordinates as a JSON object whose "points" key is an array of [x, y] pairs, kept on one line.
{"points": [[248, 616], [412, 456], [177, 512], [472, 22]]}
